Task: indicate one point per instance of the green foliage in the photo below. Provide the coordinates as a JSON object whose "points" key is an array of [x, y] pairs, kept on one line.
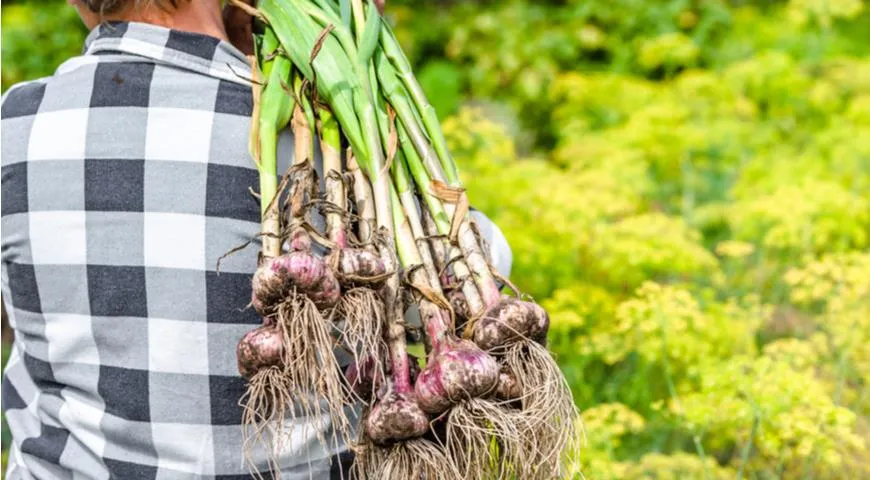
{"points": [[678, 466], [782, 412], [698, 232], [514, 50], [37, 37], [686, 188]]}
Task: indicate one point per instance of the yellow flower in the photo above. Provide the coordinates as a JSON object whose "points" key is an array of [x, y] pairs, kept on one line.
{"points": [[824, 11], [668, 50], [734, 249]]}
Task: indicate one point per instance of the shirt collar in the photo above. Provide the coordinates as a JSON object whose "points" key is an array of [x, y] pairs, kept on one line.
{"points": [[191, 51]]}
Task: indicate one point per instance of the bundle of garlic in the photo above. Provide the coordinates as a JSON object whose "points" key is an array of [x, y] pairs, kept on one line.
{"points": [[490, 401]]}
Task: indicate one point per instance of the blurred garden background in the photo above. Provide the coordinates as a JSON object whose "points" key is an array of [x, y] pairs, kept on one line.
{"points": [[686, 187]]}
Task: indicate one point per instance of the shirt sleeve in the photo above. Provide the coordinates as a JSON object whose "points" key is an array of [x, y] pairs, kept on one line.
{"points": [[500, 255]]}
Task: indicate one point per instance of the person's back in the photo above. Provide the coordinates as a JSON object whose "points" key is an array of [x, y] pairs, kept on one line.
{"points": [[125, 177]]}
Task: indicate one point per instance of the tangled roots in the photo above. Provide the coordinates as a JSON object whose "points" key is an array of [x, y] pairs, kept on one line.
{"points": [[264, 407], [363, 333], [409, 460], [310, 367], [365, 378], [552, 419], [508, 388], [484, 440]]}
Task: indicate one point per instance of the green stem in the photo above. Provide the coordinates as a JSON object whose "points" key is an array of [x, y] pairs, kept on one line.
{"points": [[268, 47], [268, 182], [330, 148], [747, 449], [423, 181], [308, 113], [408, 202], [409, 255], [398, 98], [441, 221], [477, 262], [438, 163], [323, 18], [335, 80], [274, 109], [330, 134], [365, 108], [672, 390], [397, 57], [370, 154], [358, 16], [331, 8]]}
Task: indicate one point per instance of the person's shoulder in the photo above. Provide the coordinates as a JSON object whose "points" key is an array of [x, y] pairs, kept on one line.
{"points": [[23, 99], [70, 80]]}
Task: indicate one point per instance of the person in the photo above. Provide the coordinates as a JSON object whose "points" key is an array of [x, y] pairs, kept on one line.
{"points": [[125, 176]]}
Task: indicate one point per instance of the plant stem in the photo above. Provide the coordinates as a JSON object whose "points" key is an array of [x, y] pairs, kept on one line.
{"points": [[398, 98], [335, 80], [672, 390], [368, 155], [366, 111], [437, 244], [434, 319], [301, 125], [428, 161], [330, 149], [363, 105], [430, 120], [358, 16], [423, 181], [274, 107], [409, 204], [439, 213], [362, 194], [747, 449], [401, 373]]}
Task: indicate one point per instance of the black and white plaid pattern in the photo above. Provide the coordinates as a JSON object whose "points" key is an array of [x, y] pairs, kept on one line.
{"points": [[125, 177]]}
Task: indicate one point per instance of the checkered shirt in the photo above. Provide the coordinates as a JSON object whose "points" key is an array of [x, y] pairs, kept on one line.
{"points": [[125, 177]]}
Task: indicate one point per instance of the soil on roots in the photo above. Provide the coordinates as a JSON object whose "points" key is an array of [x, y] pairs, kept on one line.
{"points": [[311, 369], [411, 459], [265, 405], [362, 310], [552, 426], [483, 439]]}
